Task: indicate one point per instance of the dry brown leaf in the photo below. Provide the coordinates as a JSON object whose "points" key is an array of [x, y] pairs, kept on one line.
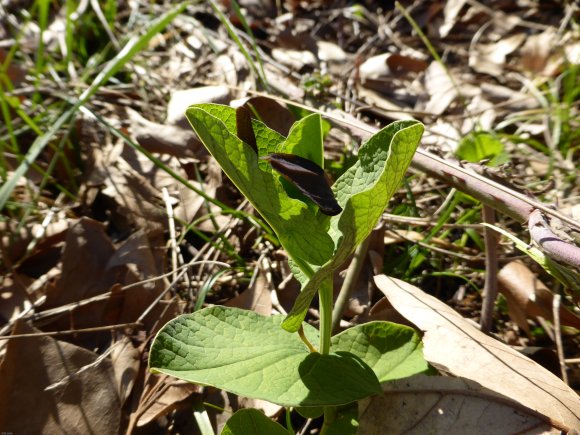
{"points": [[393, 110], [441, 89], [330, 52], [164, 138], [135, 202], [88, 403], [401, 64], [181, 100], [490, 58], [528, 297], [439, 404], [256, 298], [451, 13], [84, 274], [374, 67], [271, 113], [454, 345], [294, 59], [536, 51], [126, 360], [14, 241], [166, 399], [13, 296], [293, 91]]}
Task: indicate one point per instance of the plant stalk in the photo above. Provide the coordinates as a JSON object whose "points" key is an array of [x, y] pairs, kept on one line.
{"points": [[325, 302], [329, 417]]}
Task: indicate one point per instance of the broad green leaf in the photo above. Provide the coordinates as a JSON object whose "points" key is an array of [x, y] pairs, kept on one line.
{"points": [[302, 232], [481, 145], [363, 191], [392, 351], [252, 422], [250, 355], [305, 139]]}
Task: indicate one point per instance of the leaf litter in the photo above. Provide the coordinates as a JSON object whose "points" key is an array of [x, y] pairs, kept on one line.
{"points": [[93, 270]]}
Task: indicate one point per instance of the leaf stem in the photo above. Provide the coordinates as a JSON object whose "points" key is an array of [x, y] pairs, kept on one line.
{"points": [[325, 302], [306, 341], [329, 417]]}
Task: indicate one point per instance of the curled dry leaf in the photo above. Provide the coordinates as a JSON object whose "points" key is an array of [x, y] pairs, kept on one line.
{"points": [[455, 346], [167, 397], [528, 297], [126, 360]]}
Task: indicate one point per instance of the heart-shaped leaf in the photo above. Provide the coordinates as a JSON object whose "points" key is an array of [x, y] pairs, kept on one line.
{"points": [[392, 351], [250, 355]]}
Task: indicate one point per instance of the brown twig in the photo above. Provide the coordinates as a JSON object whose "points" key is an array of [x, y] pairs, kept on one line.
{"points": [[351, 276], [550, 243], [558, 337], [491, 270]]}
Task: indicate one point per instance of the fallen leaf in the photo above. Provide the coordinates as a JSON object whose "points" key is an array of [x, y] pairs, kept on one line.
{"points": [[374, 67], [452, 344], [126, 360], [86, 253], [528, 297], [87, 403], [295, 59], [256, 298], [167, 398], [536, 51], [164, 138], [440, 404], [271, 113], [181, 100], [490, 58], [329, 52], [450, 12], [441, 88], [401, 64]]}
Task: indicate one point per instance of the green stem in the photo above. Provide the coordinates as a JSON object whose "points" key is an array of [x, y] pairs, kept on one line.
{"points": [[325, 302], [329, 417]]}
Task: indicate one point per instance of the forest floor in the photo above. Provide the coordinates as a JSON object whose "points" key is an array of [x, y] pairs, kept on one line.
{"points": [[106, 232]]}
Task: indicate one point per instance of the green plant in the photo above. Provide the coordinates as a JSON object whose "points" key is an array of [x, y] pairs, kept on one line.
{"points": [[256, 356]]}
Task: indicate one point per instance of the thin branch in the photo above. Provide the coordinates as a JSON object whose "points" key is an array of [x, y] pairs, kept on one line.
{"points": [[351, 276], [491, 270]]}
